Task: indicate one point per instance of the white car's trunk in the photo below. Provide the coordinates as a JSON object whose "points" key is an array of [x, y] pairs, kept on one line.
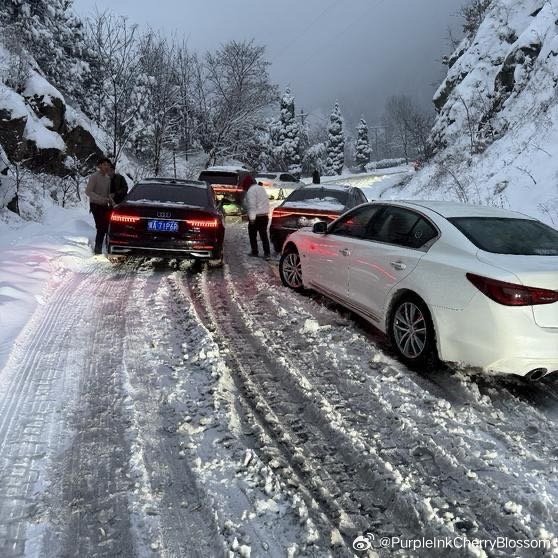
{"points": [[532, 271]]}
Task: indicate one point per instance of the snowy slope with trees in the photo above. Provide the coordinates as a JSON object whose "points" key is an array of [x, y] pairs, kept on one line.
{"points": [[496, 134]]}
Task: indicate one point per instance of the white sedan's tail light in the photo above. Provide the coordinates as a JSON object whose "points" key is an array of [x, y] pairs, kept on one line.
{"points": [[510, 294]]}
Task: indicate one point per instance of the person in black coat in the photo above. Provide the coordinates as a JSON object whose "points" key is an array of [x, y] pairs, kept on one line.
{"points": [[118, 185], [316, 177]]}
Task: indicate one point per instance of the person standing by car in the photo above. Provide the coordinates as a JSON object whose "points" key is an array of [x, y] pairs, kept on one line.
{"points": [[256, 203], [316, 176], [118, 185], [100, 202]]}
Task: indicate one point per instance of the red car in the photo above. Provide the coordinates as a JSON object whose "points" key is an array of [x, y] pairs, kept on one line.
{"points": [[168, 218], [308, 205]]}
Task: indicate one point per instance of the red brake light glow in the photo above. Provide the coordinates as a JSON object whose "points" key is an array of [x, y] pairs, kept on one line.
{"points": [[203, 223], [120, 218], [510, 294]]}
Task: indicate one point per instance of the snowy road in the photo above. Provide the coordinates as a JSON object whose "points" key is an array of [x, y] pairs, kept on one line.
{"points": [[153, 411]]}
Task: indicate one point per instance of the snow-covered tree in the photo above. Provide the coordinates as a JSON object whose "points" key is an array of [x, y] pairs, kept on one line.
{"points": [[54, 36], [187, 71], [160, 100], [288, 140], [115, 98], [237, 91], [315, 158], [362, 147], [335, 143]]}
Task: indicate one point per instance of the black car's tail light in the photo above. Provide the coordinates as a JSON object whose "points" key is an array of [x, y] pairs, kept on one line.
{"points": [[203, 223], [122, 218], [510, 294]]}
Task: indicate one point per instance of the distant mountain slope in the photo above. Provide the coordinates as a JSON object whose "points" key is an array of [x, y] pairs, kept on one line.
{"points": [[497, 130]]}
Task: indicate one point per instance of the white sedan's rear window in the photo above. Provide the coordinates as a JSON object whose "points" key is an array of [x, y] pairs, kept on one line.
{"points": [[524, 237]]}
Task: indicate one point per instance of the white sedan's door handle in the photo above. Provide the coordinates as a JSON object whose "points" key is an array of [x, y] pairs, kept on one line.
{"points": [[345, 252], [398, 265]]}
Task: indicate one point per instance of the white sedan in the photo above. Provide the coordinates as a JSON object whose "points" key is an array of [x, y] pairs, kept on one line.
{"points": [[467, 284]]}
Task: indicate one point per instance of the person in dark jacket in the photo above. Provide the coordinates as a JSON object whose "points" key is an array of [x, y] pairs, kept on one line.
{"points": [[118, 185], [316, 177], [100, 202]]}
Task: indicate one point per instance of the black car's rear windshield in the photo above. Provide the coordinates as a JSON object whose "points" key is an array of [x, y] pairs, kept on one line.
{"points": [[509, 236], [219, 177], [321, 194], [166, 193]]}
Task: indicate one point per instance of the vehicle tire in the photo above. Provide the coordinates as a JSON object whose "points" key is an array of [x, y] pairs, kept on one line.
{"points": [[290, 270], [411, 332], [216, 258]]}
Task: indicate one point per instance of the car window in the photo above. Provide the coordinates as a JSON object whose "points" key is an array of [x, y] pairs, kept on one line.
{"points": [[287, 178], [356, 223], [499, 235], [402, 227], [166, 193], [318, 194], [215, 177]]}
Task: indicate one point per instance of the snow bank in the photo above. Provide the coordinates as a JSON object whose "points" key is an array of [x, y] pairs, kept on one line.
{"points": [[33, 258], [12, 103], [35, 130], [38, 85], [43, 138]]}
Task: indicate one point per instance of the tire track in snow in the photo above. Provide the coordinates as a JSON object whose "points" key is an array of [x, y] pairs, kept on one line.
{"points": [[35, 386], [93, 485], [179, 516]]}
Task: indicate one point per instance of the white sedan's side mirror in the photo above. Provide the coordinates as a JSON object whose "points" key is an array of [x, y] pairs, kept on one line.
{"points": [[320, 227]]}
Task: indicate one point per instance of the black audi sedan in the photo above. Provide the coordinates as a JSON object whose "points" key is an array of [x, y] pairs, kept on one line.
{"points": [[310, 204], [168, 218]]}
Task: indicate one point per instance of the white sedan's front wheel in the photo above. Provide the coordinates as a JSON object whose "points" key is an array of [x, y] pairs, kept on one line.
{"points": [[290, 270]]}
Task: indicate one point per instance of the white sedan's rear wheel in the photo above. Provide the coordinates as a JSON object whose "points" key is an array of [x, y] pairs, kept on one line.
{"points": [[411, 331]]}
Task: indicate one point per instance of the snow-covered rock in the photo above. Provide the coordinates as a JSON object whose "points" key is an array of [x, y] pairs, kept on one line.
{"points": [[497, 129]]}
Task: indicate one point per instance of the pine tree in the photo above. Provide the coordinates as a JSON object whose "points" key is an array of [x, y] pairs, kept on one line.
{"points": [[362, 148], [289, 133], [335, 143]]}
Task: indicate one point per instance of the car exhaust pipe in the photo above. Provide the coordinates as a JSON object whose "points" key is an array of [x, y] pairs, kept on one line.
{"points": [[536, 374]]}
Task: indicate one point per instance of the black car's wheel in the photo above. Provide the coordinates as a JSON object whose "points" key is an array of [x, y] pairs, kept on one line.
{"points": [[216, 258], [411, 331], [290, 269]]}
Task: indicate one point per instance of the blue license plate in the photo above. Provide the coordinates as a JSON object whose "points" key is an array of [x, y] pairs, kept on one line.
{"points": [[162, 226]]}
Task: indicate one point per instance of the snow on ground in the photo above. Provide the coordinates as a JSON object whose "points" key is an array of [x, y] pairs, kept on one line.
{"points": [[374, 184], [34, 257]]}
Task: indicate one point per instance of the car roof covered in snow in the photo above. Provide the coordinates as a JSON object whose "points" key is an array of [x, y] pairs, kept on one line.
{"points": [[227, 168], [173, 181], [327, 186]]}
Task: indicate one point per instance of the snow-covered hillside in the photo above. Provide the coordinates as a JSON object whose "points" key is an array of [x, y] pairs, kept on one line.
{"points": [[497, 129]]}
